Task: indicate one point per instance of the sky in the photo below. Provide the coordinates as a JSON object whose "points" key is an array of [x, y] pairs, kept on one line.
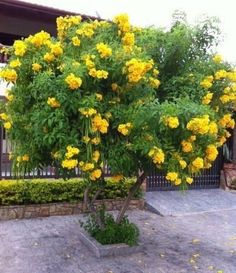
{"points": [[158, 13]]}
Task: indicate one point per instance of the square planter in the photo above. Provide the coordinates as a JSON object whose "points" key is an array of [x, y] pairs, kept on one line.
{"points": [[107, 250]]}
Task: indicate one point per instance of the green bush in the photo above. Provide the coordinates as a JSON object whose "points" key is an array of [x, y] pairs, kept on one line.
{"points": [[38, 191], [113, 233]]}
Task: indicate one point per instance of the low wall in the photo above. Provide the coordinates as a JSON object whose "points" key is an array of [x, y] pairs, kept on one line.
{"points": [[52, 209]]}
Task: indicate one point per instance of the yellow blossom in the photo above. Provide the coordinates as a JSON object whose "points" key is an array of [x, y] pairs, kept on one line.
{"points": [[157, 155], [7, 125], [36, 67], [198, 163], [217, 58], [199, 125], [211, 152], [186, 146], [86, 139], [226, 121], [4, 116], [98, 96], [39, 38], [114, 86], [9, 75], [207, 98], [15, 63], [25, 157], [76, 41], [117, 177], [189, 180], [69, 163], [95, 174], [53, 102], [128, 39], [95, 140], [56, 49], [86, 167], [213, 128], [155, 83], [104, 50], [96, 155], [220, 74], [73, 81], [172, 176], [88, 112], [19, 47], [49, 57], [172, 122], [182, 164], [125, 129], [99, 124]]}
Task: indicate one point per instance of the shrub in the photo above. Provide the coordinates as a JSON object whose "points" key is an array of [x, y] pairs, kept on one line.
{"points": [[38, 191], [112, 233]]}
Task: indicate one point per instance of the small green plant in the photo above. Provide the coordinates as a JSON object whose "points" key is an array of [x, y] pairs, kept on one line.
{"points": [[111, 233]]}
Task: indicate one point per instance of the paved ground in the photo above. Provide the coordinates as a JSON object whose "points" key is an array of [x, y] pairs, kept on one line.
{"points": [[199, 243], [190, 202]]}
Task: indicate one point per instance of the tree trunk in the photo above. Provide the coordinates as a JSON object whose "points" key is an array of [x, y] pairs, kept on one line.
{"points": [[133, 189]]}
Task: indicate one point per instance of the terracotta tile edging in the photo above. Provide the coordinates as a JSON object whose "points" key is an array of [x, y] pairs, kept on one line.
{"points": [[52, 209]]}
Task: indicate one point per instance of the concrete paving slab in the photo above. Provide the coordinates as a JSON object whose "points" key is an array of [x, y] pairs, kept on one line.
{"points": [[178, 203]]}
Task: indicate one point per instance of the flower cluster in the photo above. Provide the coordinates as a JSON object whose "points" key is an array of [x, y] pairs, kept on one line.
{"points": [[172, 122], [73, 81], [124, 129], [104, 50], [157, 155], [99, 124], [53, 102]]}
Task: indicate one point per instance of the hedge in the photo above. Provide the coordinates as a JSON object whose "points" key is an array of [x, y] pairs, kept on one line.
{"points": [[38, 191]]}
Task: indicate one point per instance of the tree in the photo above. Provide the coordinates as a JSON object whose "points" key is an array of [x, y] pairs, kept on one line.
{"points": [[90, 98]]}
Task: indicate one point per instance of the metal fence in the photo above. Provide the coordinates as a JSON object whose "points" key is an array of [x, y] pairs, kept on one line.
{"points": [[208, 179]]}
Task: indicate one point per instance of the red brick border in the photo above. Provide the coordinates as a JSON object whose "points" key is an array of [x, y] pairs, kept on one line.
{"points": [[52, 209]]}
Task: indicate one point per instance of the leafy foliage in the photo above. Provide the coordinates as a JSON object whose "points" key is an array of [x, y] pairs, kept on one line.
{"points": [[39, 191], [113, 233], [91, 97]]}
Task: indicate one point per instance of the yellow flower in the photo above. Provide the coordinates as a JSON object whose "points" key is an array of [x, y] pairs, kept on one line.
{"points": [[189, 180], [186, 146], [217, 58], [155, 83], [211, 152], [20, 48], [69, 163], [172, 176], [88, 112], [124, 129], [99, 124], [9, 75], [95, 174], [19, 159], [7, 125], [128, 39], [98, 96], [96, 156], [104, 50], [199, 125], [117, 177], [15, 63], [87, 167], [95, 140], [225, 98], [220, 74], [213, 128], [114, 86], [56, 155], [73, 81], [155, 72], [86, 139], [207, 98], [157, 155], [122, 22], [36, 67], [53, 102], [49, 57], [76, 41], [25, 157], [207, 82], [178, 181], [56, 49], [182, 164], [198, 163], [227, 122], [172, 122], [4, 116], [39, 38]]}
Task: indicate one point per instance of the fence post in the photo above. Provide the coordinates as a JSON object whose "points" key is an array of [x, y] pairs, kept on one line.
{"points": [[1, 140]]}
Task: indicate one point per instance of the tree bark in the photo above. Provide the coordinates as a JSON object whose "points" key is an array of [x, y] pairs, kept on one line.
{"points": [[133, 189]]}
